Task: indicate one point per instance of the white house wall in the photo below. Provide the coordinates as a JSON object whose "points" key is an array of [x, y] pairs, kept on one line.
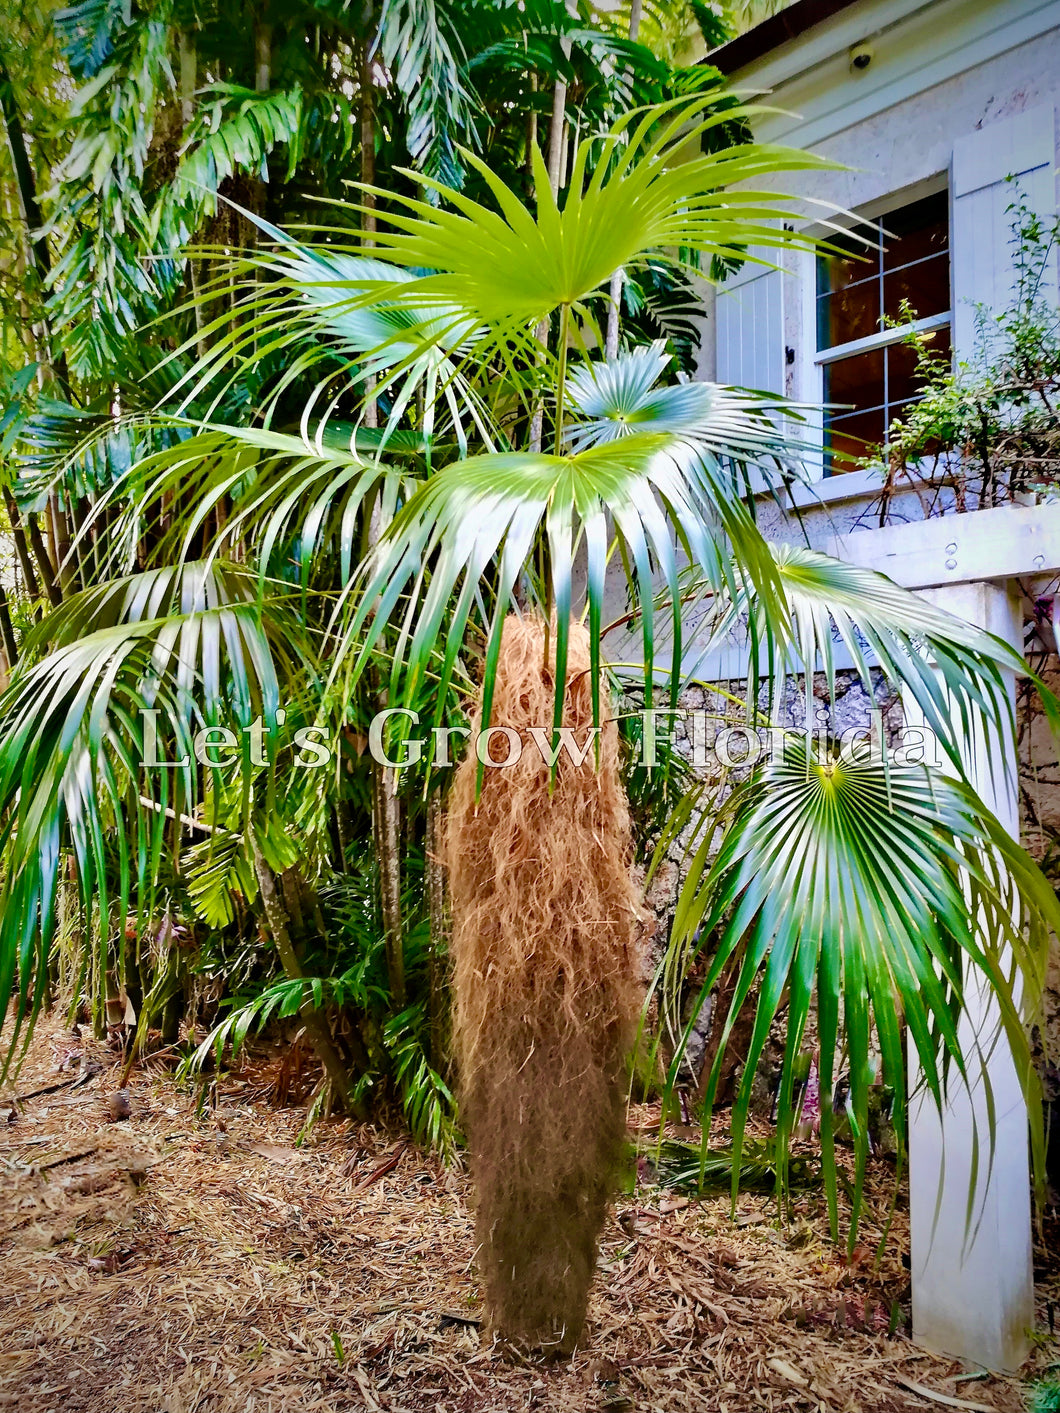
{"points": [[940, 74]]}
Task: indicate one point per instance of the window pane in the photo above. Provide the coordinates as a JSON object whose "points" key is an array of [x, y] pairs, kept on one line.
{"points": [[925, 285], [848, 314], [858, 380], [854, 299], [859, 260], [848, 304], [849, 437], [903, 382], [914, 259], [915, 231]]}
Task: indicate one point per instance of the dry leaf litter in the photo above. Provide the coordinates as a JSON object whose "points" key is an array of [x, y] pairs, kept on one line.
{"points": [[156, 1260]]}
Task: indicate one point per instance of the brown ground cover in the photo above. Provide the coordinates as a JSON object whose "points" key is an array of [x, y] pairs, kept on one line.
{"points": [[167, 1262]]}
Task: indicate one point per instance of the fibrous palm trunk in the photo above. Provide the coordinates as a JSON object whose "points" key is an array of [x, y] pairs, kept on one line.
{"points": [[546, 994]]}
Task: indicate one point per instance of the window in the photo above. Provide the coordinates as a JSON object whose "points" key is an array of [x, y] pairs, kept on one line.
{"points": [[865, 364]]}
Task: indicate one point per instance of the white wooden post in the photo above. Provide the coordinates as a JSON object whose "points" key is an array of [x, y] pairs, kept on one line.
{"points": [[973, 1289]]}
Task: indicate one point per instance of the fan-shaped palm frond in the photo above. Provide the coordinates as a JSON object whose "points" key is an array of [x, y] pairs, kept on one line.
{"points": [[355, 303], [194, 587], [883, 890], [485, 275], [511, 267], [289, 495], [492, 509], [623, 396]]}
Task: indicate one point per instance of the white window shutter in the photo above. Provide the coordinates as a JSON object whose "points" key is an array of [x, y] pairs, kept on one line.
{"points": [[1021, 146], [749, 315]]}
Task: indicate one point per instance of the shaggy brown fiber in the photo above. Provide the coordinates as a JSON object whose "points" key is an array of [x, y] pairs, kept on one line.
{"points": [[547, 992]]}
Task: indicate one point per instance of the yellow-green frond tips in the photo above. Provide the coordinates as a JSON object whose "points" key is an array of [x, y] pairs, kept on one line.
{"points": [[650, 192]]}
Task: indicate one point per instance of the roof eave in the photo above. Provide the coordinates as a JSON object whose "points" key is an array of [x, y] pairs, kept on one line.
{"points": [[781, 28]]}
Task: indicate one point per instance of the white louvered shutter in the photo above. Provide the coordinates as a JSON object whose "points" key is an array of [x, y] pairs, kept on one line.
{"points": [[750, 328], [1022, 146]]}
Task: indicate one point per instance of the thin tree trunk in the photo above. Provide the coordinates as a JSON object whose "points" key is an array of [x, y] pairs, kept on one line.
{"points": [[44, 563], [440, 928], [59, 527], [31, 214], [531, 138], [24, 179], [386, 808], [557, 135], [290, 886], [618, 279], [7, 632], [262, 84], [21, 547], [38, 244], [367, 113], [315, 1021], [387, 811], [262, 56], [636, 10], [386, 831], [556, 143], [189, 74]]}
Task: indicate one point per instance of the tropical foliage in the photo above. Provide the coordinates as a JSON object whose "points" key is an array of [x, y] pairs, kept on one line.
{"points": [[345, 453], [188, 128]]}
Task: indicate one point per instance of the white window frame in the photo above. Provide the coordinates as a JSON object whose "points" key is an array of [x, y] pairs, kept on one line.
{"points": [[846, 484]]}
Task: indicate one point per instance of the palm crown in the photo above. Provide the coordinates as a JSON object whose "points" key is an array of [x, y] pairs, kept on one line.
{"points": [[444, 442]]}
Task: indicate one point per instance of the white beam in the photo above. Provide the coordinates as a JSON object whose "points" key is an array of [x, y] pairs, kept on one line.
{"points": [[1011, 542]]}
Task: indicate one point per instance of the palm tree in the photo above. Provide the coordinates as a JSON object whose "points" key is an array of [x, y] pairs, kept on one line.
{"points": [[267, 106], [869, 889]]}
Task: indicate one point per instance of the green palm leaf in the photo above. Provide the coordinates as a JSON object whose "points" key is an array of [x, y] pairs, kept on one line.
{"points": [[953, 670], [493, 509], [235, 129], [192, 588], [420, 45], [615, 399], [484, 275], [355, 303], [292, 497], [74, 738], [511, 266], [880, 890]]}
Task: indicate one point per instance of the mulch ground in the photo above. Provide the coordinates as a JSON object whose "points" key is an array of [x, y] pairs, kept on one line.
{"points": [[175, 1263]]}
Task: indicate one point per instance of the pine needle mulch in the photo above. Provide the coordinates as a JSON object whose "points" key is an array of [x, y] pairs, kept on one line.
{"points": [[167, 1263]]}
